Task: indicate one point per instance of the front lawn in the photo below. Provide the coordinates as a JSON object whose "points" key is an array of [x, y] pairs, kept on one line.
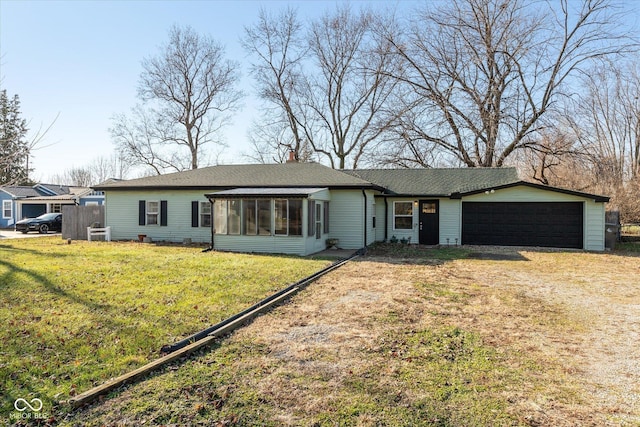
{"points": [[75, 315], [467, 336]]}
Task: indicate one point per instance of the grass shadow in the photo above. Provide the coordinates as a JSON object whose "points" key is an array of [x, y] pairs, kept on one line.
{"points": [[438, 255], [8, 247], [45, 282]]}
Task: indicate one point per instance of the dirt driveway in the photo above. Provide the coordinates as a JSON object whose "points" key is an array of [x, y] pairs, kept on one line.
{"points": [[575, 314]]}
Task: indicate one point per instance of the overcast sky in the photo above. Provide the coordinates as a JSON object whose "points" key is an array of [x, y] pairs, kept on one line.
{"points": [[81, 60]]}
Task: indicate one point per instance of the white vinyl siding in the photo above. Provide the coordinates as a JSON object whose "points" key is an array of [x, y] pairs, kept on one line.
{"points": [[292, 245], [371, 213], [380, 218], [392, 232], [346, 216], [450, 221], [121, 213]]}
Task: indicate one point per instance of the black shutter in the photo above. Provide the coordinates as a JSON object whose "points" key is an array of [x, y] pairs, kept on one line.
{"points": [[194, 214], [326, 218], [142, 213], [163, 212], [311, 231]]}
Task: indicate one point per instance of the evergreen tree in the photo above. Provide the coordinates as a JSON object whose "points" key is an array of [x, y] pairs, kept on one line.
{"points": [[14, 148]]}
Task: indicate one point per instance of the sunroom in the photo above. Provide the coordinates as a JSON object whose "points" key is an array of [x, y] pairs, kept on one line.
{"points": [[275, 220]]}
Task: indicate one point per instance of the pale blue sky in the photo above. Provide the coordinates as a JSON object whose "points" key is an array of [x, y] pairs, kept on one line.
{"points": [[81, 59]]}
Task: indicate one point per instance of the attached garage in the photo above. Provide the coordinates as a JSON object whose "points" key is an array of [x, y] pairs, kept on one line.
{"points": [[550, 224], [527, 214]]}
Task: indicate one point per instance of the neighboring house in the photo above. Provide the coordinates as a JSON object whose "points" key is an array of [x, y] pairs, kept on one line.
{"points": [[20, 201], [294, 208]]}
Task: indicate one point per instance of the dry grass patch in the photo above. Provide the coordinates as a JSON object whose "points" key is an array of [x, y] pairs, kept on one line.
{"points": [[444, 338]]}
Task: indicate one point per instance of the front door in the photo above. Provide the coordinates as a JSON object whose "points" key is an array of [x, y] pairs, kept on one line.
{"points": [[429, 222]]}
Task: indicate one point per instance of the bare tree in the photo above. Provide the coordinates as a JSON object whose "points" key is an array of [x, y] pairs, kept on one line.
{"points": [[98, 170], [142, 136], [606, 122], [277, 43], [330, 90], [189, 93], [486, 72]]}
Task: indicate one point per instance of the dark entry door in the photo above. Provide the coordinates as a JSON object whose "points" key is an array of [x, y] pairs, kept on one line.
{"points": [[429, 222]]}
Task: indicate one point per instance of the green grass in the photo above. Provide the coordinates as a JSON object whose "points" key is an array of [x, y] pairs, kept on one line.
{"points": [[76, 315], [445, 253], [628, 247]]}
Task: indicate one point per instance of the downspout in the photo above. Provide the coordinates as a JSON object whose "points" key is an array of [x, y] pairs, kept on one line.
{"points": [[365, 220], [213, 230]]}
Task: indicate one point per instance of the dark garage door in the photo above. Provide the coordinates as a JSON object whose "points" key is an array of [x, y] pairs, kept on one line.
{"points": [[523, 224]]}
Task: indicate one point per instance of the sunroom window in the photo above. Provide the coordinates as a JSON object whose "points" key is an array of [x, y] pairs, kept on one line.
{"points": [[263, 217]]}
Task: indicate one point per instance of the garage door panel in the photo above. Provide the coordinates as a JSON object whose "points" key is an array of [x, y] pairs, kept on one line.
{"points": [[557, 224]]}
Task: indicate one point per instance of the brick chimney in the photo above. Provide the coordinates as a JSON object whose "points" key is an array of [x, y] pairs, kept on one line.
{"points": [[292, 157]]}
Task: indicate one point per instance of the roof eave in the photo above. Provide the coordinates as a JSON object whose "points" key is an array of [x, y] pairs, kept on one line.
{"points": [[596, 198], [229, 187]]}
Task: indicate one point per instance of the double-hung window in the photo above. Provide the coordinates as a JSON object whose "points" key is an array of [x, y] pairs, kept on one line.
{"points": [[402, 215], [7, 211], [205, 214], [153, 212]]}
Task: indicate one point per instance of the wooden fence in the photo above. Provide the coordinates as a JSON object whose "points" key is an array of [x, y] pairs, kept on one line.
{"points": [[76, 219]]}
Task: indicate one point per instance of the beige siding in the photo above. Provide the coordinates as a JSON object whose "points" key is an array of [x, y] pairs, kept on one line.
{"points": [[593, 212], [122, 215]]}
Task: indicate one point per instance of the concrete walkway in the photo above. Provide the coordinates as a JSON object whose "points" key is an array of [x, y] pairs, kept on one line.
{"points": [[11, 234]]}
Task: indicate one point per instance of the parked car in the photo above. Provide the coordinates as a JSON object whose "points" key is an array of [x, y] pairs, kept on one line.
{"points": [[42, 224]]}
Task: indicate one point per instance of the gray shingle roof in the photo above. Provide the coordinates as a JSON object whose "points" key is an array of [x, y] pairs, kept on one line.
{"points": [[37, 190], [437, 182], [20, 191], [256, 175]]}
